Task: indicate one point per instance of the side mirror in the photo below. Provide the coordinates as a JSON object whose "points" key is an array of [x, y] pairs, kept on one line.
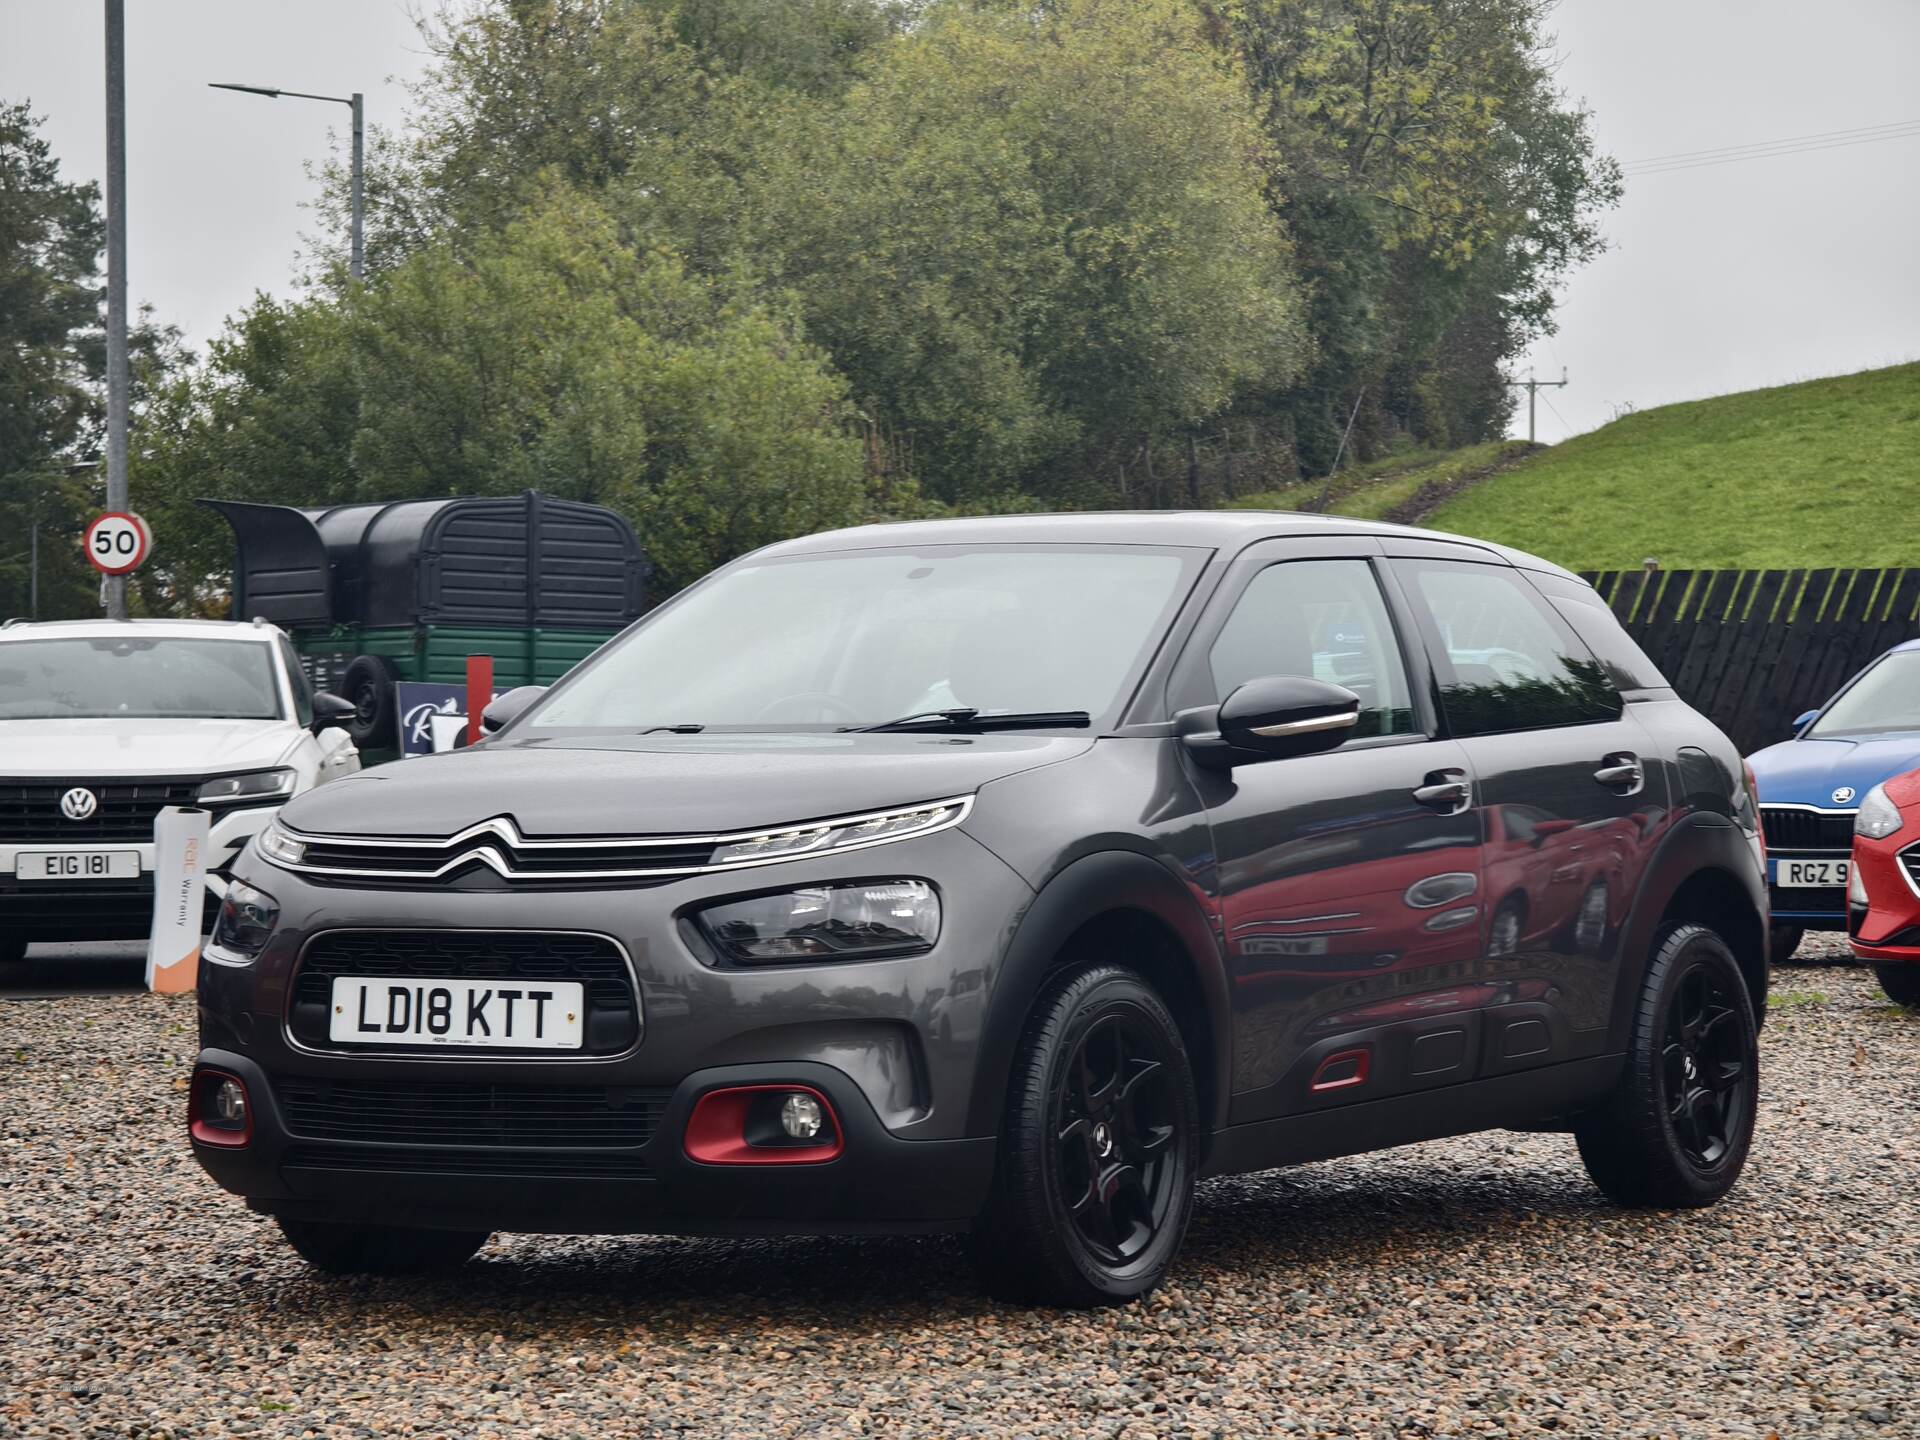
{"points": [[1804, 719], [1269, 718], [330, 710], [509, 707]]}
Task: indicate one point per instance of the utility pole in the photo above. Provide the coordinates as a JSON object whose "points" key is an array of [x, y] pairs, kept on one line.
{"points": [[1533, 388], [115, 588], [357, 253]]}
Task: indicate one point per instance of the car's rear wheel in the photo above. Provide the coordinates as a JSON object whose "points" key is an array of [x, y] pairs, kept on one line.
{"points": [[1783, 941], [1676, 1131], [13, 948], [1901, 982], [342, 1249], [1099, 1151]]}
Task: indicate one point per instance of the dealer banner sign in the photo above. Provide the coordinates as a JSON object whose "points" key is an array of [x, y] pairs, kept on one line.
{"points": [[431, 716], [179, 883]]}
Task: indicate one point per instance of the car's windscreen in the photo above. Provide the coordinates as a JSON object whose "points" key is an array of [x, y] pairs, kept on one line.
{"points": [[860, 638], [1887, 697], [128, 677]]}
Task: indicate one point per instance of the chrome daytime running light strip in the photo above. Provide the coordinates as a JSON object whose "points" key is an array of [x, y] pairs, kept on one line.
{"points": [[471, 845]]}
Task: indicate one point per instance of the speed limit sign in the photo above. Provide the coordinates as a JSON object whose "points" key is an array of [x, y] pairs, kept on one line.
{"points": [[118, 542]]}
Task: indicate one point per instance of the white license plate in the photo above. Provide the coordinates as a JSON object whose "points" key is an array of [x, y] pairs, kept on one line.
{"points": [[520, 1014], [77, 865], [1810, 873]]}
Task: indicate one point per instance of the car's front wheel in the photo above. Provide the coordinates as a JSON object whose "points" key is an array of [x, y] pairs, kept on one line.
{"points": [[1099, 1150], [1676, 1130], [1901, 982], [1783, 941], [13, 948], [343, 1249]]}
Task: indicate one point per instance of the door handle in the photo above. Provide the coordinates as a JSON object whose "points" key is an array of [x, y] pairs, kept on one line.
{"points": [[1448, 791], [1622, 772]]}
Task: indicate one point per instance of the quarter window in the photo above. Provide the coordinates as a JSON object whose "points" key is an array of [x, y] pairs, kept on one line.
{"points": [[1510, 662], [1323, 618]]}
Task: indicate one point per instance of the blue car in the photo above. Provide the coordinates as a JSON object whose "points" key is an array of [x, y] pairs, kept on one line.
{"points": [[1810, 787]]}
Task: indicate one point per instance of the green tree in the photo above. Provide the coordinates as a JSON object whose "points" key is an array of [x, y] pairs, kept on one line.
{"points": [[553, 354], [52, 373]]}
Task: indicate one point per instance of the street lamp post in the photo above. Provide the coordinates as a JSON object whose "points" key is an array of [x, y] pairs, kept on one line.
{"points": [[357, 102]]}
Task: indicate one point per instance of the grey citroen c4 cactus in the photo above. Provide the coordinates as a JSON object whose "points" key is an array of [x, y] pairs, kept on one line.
{"points": [[1006, 877]]}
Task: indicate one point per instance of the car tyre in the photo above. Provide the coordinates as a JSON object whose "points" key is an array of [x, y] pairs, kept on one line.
{"points": [[1901, 982], [1099, 1150], [1783, 941], [368, 682], [1676, 1131], [1503, 935], [342, 1249], [13, 948]]}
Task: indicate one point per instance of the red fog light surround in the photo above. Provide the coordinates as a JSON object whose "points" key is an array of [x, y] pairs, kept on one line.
{"points": [[219, 1110], [741, 1125]]}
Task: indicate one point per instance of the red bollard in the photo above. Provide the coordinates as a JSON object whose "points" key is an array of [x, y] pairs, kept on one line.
{"points": [[479, 692]]}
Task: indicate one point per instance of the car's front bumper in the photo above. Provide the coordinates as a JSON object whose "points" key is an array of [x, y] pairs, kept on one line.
{"points": [[872, 1035], [113, 909], [1887, 927], [878, 1183]]}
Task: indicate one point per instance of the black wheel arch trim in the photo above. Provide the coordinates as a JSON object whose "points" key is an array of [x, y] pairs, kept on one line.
{"points": [[1096, 886], [1698, 844]]}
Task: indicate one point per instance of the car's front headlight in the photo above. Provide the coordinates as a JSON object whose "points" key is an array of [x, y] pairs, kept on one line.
{"points": [[247, 918], [249, 789], [277, 843], [1878, 817], [831, 922]]}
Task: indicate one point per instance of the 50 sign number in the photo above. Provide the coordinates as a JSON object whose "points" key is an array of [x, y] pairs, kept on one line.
{"points": [[118, 542]]}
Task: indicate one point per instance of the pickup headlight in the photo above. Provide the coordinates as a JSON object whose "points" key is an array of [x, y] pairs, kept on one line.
{"points": [[247, 918], [832, 922], [1878, 816], [253, 788]]}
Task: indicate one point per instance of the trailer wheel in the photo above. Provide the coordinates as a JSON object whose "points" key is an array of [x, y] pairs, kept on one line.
{"points": [[368, 683]]}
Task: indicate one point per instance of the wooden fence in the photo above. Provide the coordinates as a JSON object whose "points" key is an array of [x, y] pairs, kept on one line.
{"points": [[1752, 649]]}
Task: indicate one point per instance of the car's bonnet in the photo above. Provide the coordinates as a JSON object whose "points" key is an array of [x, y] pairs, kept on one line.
{"points": [[103, 748], [1832, 773], [668, 784]]}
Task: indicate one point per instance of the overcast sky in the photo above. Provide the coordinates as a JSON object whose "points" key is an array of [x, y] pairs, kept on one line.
{"points": [[1720, 278]]}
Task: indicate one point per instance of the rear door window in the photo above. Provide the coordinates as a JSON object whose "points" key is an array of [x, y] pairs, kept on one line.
{"points": [[1505, 659]]}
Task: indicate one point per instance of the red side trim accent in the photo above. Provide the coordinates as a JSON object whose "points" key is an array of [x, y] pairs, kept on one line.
{"points": [[1361, 1060], [717, 1130], [200, 1129]]}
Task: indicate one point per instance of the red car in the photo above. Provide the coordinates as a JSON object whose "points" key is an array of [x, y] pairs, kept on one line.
{"points": [[1883, 889]]}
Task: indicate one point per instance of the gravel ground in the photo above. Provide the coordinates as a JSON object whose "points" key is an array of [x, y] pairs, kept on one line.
{"points": [[1473, 1287]]}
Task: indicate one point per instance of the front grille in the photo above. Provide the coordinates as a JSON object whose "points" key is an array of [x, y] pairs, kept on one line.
{"points": [[612, 1020], [1810, 900], [1806, 829], [30, 809], [1910, 858], [538, 1117], [336, 859], [557, 1165]]}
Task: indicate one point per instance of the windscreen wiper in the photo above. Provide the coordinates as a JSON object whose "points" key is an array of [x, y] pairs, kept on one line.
{"points": [[965, 718]]}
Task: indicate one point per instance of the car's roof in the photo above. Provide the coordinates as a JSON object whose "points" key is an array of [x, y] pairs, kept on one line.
{"points": [[147, 630], [1210, 529]]}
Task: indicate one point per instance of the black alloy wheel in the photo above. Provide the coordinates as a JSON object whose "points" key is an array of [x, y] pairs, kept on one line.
{"points": [[1114, 1124], [1706, 1066], [1901, 980], [1099, 1150], [1676, 1130]]}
